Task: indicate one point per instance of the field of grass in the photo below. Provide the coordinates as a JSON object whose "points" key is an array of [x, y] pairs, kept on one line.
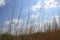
{"points": [[55, 35]]}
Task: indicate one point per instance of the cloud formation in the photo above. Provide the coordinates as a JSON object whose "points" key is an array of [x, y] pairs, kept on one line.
{"points": [[36, 7], [14, 21], [14, 25], [34, 16], [36, 27], [50, 4], [45, 4], [2, 2]]}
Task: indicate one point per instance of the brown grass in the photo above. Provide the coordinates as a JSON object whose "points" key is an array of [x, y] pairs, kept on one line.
{"points": [[55, 35]]}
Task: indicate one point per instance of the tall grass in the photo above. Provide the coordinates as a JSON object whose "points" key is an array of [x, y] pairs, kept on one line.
{"points": [[54, 35]]}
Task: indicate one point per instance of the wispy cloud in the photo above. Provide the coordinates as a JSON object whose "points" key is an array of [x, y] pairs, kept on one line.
{"points": [[50, 4], [37, 6], [2, 2], [13, 25], [14, 21], [36, 26], [34, 16], [5, 30], [45, 4]]}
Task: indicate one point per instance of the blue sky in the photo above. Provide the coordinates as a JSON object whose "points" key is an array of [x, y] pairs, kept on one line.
{"points": [[6, 10], [37, 8]]}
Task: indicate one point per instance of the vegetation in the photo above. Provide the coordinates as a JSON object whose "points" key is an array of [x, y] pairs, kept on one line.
{"points": [[48, 35]]}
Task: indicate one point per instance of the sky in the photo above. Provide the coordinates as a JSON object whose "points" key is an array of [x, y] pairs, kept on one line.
{"points": [[6, 8], [38, 10]]}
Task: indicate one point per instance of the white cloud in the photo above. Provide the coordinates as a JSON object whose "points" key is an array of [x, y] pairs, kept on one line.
{"points": [[34, 16], [14, 21], [5, 30], [2, 2], [37, 6], [50, 4], [7, 22], [45, 4], [13, 27], [35, 26]]}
